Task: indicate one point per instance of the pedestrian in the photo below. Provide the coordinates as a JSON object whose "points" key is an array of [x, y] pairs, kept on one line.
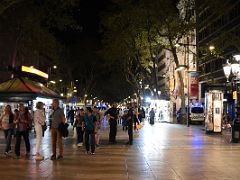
{"points": [[79, 127], [58, 117], [130, 119], [124, 120], [99, 117], [90, 126], [112, 113], [70, 116], [135, 118], [143, 113], [7, 125], [39, 121], [152, 116], [22, 124]]}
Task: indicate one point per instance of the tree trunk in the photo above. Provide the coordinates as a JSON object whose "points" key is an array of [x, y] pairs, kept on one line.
{"points": [[183, 104]]}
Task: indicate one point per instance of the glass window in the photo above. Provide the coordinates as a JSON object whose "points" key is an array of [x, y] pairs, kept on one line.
{"points": [[197, 110]]}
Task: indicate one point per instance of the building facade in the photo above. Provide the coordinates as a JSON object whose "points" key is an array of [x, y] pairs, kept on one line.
{"points": [[218, 27]]}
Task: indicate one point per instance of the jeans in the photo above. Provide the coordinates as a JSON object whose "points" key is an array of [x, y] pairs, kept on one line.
{"points": [[79, 135], [113, 131], [92, 140], [8, 137], [56, 139], [19, 135], [39, 133]]}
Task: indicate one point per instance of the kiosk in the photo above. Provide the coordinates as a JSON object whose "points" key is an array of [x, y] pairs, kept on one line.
{"points": [[213, 111]]}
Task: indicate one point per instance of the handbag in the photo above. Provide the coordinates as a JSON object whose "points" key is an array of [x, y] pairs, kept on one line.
{"points": [[44, 127]]}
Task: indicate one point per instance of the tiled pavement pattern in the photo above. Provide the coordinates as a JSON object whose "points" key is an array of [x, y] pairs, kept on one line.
{"points": [[163, 151]]}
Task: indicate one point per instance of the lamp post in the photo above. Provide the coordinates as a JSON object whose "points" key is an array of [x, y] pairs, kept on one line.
{"points": [[234, 69]]}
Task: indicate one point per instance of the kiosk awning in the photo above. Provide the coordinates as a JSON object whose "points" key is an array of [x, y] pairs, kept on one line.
{"points": [[21, 89]]}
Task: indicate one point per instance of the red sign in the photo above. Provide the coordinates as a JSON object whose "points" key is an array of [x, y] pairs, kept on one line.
{"points": [[194, 81]]}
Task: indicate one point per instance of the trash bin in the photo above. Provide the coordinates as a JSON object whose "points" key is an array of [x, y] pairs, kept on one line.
{"points": [[236, 131]]}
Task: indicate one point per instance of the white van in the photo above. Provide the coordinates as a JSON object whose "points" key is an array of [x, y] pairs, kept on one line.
{"points": [[197, 113]]}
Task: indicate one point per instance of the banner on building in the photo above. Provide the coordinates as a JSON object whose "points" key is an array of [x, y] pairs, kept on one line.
{"points": [[194, 81]]}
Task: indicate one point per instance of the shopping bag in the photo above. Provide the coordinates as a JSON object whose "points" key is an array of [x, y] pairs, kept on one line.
{"points": [[139, 126]]}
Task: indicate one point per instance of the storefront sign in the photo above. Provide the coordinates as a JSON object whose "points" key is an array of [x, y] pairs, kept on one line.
{"points": [[32, 70], [235, 95], [193, 82]]}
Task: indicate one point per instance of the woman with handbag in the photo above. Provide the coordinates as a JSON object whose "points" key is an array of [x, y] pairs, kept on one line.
{"points": [[39, 122], [6, 121]]}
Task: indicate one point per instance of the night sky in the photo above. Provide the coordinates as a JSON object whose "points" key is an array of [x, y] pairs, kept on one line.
{"points": [[88, 18]]}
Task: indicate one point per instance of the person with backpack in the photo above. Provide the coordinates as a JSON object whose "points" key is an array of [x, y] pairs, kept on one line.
{"points": [[6, 121], [90, 126], [22, 124]]}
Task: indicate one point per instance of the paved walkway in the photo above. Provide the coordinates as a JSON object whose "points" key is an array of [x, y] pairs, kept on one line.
{"points": [[163, 151]]}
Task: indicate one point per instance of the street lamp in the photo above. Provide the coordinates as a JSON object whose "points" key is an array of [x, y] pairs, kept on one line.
{"points": [[232, 67]]}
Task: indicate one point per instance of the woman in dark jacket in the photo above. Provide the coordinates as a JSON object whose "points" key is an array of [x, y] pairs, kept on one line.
{"points": [[22, 124]]}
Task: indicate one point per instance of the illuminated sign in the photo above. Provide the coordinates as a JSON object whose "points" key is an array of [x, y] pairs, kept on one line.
{"points": [[32, 70]]}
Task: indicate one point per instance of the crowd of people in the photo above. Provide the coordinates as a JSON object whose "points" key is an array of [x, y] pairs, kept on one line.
{"points": [[88, 123]]}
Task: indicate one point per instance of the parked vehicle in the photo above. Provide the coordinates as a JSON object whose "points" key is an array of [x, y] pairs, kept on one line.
{"points": [[197, 113]]}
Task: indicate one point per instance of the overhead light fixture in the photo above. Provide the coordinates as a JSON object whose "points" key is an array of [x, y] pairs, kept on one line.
{"points": [[211, 47], [177, 45], [181, 67], [237, 57]]}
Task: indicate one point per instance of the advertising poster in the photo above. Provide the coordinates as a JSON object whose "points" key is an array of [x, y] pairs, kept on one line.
{"points": [[193, 81]]}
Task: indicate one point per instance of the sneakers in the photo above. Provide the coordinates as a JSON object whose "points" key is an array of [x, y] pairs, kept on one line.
{"points": [[59, 157], [39, 158], [92, 153], [53, 157], [6, 153], [80, 144], [129, 143]]}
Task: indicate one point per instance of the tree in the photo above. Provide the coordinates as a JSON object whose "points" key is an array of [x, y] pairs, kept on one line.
{"points": [[5, 4], [32, 36], [140, 29]]}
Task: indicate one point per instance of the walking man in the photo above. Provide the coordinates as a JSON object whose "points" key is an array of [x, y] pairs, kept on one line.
{"points": [[58, 117], [113, 114], [90, 124]]}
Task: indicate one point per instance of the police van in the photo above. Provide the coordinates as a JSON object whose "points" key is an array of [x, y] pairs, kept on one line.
{"points": [[197, 113]]}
